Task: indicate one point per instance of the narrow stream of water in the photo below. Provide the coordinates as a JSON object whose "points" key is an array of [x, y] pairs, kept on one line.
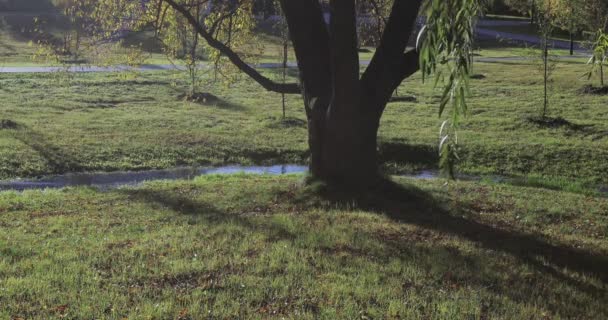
{"points": [[112, 180], [109, 180]]}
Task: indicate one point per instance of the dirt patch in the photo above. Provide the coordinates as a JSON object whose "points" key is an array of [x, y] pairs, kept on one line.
{"points": [[590, 89], [8, 124]]}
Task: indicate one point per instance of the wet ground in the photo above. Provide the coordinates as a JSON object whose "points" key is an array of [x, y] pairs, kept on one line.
{"points": [[110, 180], [113, 180]]}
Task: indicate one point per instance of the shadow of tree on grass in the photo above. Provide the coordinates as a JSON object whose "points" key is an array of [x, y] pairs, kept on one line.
{"points": [[552, 261], [418, 155], [58, 161]]}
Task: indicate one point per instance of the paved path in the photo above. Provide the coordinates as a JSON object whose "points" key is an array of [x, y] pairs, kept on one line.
{"points": [[525, 39], [161, 67], [85, 68], [142, 68], [482, 32], [485, 31], [515, 59]]}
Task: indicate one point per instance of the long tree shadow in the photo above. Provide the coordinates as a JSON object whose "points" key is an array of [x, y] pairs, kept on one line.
{"points": [[412, 206], [417, 207], [185, 205], [57, 159], [404, 153], [212, 101]]}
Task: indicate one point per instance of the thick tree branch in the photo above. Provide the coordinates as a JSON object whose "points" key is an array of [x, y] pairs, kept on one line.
{"points": [[389, 62], [344, 55], [378, 12], [410, 63], [310, 39], [287, 88]]}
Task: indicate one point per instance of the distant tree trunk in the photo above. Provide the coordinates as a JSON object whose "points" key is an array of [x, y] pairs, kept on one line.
{"points": [[571, 29], [77, 46], [285, 58], [192, 64], [571, 43], [546, 72], [532, 13], [602, 74]]}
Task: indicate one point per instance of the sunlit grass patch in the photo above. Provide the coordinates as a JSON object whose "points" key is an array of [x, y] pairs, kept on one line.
{"points": [[246, 247]]}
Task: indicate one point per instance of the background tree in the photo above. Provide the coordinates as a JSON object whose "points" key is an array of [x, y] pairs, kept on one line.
{"points": [[545, 22], [527, 7], [182, 42], [594, 13], [373, 17], [76, 13], [283, 33], [599, 56], [568, 15], [63, 43], [232, 23]]}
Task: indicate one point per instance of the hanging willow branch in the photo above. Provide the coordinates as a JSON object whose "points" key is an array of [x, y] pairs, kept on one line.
{"points": [[445, 48]]}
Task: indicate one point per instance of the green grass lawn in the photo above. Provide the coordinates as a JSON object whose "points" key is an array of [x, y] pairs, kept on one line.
{"points": [[262, 247], [270, 247], [93, 122]]}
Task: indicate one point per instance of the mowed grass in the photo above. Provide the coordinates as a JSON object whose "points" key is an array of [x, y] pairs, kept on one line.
{"points": [[264, 247], [92, 122]]}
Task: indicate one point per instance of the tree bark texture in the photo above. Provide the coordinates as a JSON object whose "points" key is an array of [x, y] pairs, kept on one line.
{"points": [[342, 105]]}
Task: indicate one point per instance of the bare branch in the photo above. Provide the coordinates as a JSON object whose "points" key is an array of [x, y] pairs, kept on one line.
{"points": [[378, 11], [287, 88], [389, 63]]}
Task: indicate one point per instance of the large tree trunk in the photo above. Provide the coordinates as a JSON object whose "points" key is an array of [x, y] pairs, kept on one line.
{"points": [[344, 150], [344, 107]]}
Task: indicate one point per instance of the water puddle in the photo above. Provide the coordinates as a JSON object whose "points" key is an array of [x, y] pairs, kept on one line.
{"points": [[112, 180]]}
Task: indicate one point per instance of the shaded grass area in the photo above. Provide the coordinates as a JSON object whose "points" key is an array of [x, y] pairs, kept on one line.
{"points": [[264, 247], [92, 122]]}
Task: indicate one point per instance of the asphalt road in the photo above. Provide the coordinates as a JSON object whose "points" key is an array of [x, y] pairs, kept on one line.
{"points": [[482, 32]]}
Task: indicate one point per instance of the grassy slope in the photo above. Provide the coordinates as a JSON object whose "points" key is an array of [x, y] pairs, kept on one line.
{"points": [[256, 247], [108, 122]]}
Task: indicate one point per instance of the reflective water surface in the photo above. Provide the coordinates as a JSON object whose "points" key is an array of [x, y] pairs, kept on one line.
{"points": [[111, 180]]}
